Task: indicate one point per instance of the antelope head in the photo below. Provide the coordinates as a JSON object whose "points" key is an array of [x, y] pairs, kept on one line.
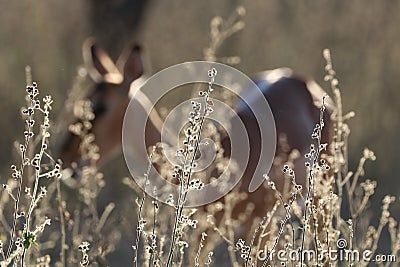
{"points": [[109, 99]]}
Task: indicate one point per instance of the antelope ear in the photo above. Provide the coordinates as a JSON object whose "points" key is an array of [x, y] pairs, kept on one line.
{"points": [[100, 66], [130, 63]]}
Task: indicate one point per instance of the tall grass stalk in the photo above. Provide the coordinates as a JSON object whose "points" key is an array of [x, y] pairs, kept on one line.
{"points": [[191, 144]]}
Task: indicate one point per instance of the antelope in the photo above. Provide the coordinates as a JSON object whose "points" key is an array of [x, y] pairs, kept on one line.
{"points": [[295, 103]]}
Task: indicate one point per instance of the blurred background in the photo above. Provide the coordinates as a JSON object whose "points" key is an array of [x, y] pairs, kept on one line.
{"points": [[363, 38]]}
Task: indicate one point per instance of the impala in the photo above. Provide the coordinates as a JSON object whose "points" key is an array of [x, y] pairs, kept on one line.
{"points": [[294, 101]]}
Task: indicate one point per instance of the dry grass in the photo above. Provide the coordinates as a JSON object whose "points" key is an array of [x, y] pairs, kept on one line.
{"points": [[302, 219]]}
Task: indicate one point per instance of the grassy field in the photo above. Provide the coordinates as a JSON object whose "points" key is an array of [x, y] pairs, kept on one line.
{"points": [[362, 38]]}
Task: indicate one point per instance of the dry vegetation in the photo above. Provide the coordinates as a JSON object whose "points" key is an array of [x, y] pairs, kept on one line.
{"points": [[48, 220], [303, 219]]}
